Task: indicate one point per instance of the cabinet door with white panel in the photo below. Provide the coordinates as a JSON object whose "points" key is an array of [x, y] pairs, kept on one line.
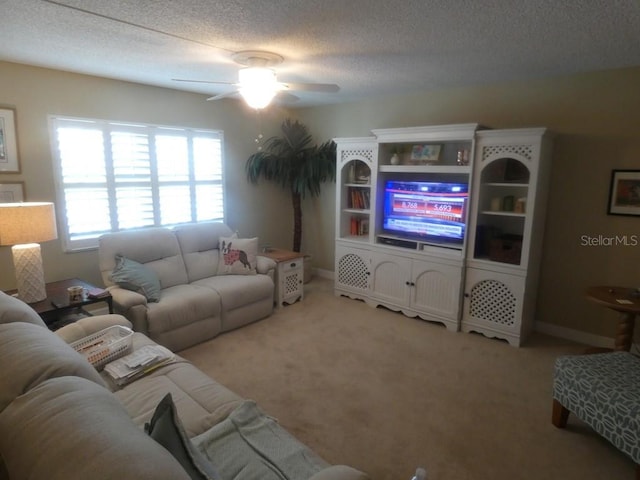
{"points": [[352, 271], [435, 291], [390, 279], [493, 304], [419, 288]]}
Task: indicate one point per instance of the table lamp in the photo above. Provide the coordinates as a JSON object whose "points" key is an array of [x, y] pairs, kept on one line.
{"points": [[22, 225]]}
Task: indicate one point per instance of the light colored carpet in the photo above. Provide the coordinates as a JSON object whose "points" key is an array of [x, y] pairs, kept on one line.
{"points": [[385, 393]]}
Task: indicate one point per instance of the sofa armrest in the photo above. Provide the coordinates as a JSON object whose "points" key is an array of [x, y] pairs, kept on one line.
{"points": [[339, 472], [132, 305], [125, 299], [90, 325], [265, 265]]}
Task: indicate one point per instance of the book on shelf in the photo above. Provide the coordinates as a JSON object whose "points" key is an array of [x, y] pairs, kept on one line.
{"points": [[359, 198], [359, 226], [139, 363]]}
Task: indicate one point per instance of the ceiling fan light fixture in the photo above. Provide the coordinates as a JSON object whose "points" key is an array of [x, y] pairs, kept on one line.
{"points": [[258, 86]]}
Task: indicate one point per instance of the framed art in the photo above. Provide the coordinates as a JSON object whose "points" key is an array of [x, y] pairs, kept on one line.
{"points": [[624, 192], [11, 192], [9, 162], [425, 153]]}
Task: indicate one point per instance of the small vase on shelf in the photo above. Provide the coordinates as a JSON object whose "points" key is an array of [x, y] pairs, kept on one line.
{"points": [[395, 159]]}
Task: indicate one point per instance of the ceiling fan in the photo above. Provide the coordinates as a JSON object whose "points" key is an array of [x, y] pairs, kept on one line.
{"points": [[257, 81]]}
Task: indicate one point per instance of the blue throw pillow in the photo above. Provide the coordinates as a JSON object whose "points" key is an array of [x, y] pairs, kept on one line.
{"points": [[136, 277]]}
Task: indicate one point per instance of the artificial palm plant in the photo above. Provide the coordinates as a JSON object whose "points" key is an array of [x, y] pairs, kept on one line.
{"points": [[295, 164]]}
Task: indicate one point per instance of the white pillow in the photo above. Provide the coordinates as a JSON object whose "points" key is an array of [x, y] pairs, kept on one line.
{"points": [[237, 256]]}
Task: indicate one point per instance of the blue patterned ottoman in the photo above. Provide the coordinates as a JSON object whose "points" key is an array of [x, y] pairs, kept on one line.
{"points": [[602, 390]]}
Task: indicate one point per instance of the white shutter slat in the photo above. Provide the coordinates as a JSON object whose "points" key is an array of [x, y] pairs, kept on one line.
{"points": [[172, 153], [135, 207]]}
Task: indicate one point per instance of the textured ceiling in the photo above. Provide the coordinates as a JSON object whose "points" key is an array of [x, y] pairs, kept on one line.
{"points": [[367, 47]]}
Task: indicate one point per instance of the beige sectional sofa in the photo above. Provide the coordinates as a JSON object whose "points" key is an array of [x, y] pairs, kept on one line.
{"points": [[197, 299], [62, 420]]}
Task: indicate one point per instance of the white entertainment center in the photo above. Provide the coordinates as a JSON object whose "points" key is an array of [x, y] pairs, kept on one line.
{"points": [[444, 223]]}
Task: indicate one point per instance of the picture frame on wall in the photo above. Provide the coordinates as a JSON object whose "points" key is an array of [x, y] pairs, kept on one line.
{"points": [[11, 192], [9, 161], [624, 193]]}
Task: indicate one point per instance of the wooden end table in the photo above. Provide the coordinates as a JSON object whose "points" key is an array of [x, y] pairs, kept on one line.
{"points": [[625, 301], [289, 275], [56, 311]]}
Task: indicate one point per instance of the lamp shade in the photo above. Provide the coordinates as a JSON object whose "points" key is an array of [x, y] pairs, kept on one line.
{"points": [[29, 222], [258, 86]]}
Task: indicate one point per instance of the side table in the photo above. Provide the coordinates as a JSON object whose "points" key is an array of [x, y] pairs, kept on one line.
{"points": [[289, 275], [56, 311], [626, 302]]}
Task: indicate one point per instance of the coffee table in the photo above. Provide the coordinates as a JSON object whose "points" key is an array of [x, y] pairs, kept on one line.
{"points": [[56, 311]]}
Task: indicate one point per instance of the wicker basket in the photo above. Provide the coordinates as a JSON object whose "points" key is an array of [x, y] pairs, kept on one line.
{"points": [[105, 346]]}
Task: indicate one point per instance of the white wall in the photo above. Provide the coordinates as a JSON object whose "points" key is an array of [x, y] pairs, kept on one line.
{"points": [[36, 93]]}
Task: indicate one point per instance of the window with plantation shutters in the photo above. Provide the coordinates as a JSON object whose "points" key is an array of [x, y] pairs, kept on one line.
{"points": [[114, 176]]}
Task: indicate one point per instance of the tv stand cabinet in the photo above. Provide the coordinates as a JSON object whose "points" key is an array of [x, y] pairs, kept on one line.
{"points": [[485, 284]]}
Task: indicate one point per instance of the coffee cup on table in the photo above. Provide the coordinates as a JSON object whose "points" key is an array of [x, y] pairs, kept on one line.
{"points": [[75, 294]]}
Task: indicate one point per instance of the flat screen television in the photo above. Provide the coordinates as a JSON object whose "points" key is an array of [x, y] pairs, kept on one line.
{"points": [[429, 211]]}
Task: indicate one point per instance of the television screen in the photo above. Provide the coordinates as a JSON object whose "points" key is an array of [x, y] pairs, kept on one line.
{"points": [[431, 211]]}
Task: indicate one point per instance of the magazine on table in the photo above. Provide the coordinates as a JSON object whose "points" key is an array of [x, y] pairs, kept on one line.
{"points": [[141, 362]]}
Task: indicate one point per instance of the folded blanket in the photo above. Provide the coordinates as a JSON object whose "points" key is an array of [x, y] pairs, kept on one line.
{"points": [[250, 445]]}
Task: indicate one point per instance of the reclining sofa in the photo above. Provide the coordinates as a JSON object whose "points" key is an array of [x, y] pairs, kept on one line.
{"points": [[60, 419], [198, 293]]}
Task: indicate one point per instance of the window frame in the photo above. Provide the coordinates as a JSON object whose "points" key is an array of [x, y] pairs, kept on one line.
{"points": [[107, 127]]}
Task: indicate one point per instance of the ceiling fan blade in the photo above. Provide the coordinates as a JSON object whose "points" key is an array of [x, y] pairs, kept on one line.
{"points": [[223, 95], [201, 81], [312, 87], [285, 97]]}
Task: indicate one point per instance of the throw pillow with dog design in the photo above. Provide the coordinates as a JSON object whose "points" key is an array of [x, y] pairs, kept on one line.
{"points": [[237, 256]]}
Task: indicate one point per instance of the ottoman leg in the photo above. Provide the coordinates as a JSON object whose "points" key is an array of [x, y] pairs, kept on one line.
{"points": [[559, 415]]}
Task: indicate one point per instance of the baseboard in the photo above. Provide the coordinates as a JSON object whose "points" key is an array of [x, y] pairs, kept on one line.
{"points": [[574, 335], [322, 273]]}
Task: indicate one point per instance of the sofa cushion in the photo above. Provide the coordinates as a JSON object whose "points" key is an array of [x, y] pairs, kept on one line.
{"points": [[201, 401], [238, 291], [30, 354], [13, 309], [166, 429], [199, 245], [156, 248], [182, 305], [71, 428], [238, 256], [136, 277]]}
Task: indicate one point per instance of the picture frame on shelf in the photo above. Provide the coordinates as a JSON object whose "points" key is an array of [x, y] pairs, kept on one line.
{"points": [[9, 161], [624, 193], [11, 192], [426, 153]]}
